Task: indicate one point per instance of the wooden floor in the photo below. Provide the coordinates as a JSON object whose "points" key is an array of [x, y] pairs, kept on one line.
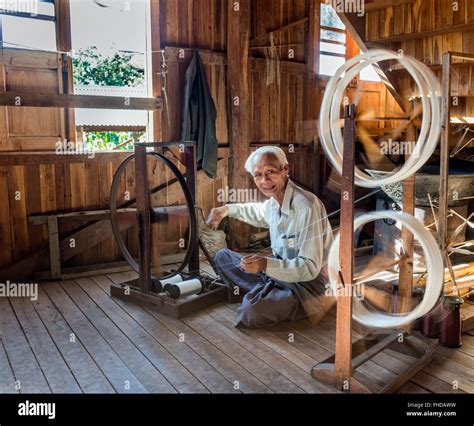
{"points": [[76, 338]]}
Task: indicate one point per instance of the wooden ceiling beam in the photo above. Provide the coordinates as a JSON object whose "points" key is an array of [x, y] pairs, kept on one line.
{"points": [[423, 34], [384, 4], [57, 100], [356, 27]]}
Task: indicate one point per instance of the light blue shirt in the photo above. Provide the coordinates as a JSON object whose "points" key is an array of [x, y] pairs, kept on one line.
{"points": [[300, 233]]}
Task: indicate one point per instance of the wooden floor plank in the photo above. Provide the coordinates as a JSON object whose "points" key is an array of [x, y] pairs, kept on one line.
{"points": [[218, 335], [412, 388], [22, 360], [7, 379], [85, 370], [278, 354], [223, 363], [55, 369], [141, 359], [297, 340], [434, 384], [432, 377], [116, 371], [147, 333], [284, 348]]}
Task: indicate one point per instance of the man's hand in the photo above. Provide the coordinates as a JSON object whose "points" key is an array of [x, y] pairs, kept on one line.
{"points": [[216, 216], [254, 264]]}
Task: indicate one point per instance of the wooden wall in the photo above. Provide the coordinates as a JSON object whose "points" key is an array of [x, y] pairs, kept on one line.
{"points": [[425, 29], [286, 112], [50, 183]]}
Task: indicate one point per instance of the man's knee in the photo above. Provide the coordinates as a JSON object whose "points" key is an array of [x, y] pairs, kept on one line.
{"points": [[222, 256], [267, 312]]}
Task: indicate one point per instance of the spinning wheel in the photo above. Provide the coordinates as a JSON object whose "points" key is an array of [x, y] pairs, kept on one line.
{"points": [[157, 214], [181, 292]]}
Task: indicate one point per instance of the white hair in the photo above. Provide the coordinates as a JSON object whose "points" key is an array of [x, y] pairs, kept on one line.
{"points": [[266, 150]]}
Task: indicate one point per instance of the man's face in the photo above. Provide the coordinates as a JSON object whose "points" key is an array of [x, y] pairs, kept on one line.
{"points": [[269, 177]]}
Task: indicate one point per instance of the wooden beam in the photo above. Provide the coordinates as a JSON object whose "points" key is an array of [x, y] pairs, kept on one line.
{"points": [[355, 25], [343, 352], [405, 281], [54, 254], [384, 4], [65, 70], [155, 13], [313, 37], [143, 217], [424, 34], [238, 28], [183, 54], [444, 153], [279, 30], [53, 100], [288, 67], [29, 158]]}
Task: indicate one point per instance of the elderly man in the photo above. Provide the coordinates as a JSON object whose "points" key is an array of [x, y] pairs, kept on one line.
{"points": [[290, 284]]}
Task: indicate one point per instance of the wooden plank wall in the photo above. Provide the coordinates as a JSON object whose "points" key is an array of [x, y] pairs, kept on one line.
{"points": [[425, 29], [286, 112], [283, 112], [202, 25], [51, 183]]}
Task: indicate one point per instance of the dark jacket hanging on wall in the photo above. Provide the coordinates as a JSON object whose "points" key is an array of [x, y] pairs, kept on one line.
{"points": [[199, 116]]}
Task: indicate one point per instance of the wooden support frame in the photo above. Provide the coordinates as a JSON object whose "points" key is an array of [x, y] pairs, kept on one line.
{"points": [[238, 29], [338, 369], [444, 158], [59, 100], [143, 217], [343, 359]]}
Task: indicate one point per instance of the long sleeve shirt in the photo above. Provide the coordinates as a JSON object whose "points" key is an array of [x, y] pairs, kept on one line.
{"points": [[300, 233]]}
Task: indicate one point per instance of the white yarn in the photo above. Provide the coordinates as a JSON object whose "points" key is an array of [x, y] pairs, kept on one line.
{"points": [[434, 266], [331, 133]]}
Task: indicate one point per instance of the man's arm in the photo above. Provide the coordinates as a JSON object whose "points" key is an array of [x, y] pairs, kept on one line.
{"points": [[251, 213]]}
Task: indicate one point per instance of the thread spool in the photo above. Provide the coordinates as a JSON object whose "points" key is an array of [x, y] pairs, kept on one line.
{"points": [[450, 324], [160, 284], [184, 288]]}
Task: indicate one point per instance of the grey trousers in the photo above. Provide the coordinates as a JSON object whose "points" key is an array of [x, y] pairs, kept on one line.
{"points": [[268, 301]]}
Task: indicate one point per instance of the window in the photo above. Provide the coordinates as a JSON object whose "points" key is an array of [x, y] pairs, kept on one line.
{"points": [[28, 25], [111, 60], [332, 41], [333, 45]]}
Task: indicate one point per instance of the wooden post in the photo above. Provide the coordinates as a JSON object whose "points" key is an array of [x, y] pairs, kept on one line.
{"points": [[191, 176], [343, 358], [143, 217], [65, 71], [313, 37], [54, 252], [444, 152], [405, 281], [238, 24], [155, 13]]}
